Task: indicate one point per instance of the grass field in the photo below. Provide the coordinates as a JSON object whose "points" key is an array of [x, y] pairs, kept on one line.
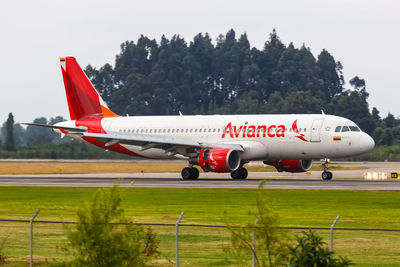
{"points": [[121, 167], [203, 246]]}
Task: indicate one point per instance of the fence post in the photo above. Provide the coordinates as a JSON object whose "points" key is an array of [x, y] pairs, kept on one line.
{"points": [[254, 242], [31, 237], [333, 226], [177, 238]]}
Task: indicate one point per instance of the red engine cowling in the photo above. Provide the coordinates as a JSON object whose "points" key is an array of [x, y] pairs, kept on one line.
{"points": [[219, 160], [291, 165]]}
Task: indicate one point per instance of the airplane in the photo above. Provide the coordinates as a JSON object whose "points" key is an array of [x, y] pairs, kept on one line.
{"points": [[215, 143]]}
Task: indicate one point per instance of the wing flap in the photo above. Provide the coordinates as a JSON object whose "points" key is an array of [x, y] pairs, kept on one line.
{"points": [[145, 141]]}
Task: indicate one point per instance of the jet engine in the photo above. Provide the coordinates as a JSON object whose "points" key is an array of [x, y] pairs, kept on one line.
{"points": [[218, 160], [291, 165]]}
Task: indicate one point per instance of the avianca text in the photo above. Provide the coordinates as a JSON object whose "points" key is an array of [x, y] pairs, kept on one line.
{"points": [[253, 131]]}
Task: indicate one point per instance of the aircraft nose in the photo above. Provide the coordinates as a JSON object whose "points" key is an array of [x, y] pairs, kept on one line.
{"points": [[367, 143]]}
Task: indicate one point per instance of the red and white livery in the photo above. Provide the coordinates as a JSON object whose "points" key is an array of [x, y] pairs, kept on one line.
{"points": [[216, 143]]}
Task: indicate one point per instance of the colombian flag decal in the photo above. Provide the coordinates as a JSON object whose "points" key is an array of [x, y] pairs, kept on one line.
{"points": [[337, 138]]}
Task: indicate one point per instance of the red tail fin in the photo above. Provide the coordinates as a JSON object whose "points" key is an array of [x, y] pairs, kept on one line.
{"points": [[83, 100]]}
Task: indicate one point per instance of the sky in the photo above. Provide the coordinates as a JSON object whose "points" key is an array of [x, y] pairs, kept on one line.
{"points": [[363, 35]]}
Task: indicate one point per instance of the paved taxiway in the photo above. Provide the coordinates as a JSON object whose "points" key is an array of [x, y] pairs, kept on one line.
{"points": [[343, 180]]}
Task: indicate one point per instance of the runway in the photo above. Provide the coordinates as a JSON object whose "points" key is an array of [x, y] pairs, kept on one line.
{"points": [[343, 180]]}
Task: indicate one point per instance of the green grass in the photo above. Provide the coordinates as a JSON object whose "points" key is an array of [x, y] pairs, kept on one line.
{"points": [[203, 246]]}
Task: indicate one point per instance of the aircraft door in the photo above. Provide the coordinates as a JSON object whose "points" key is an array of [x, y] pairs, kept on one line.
{"points": [[316, 130]]}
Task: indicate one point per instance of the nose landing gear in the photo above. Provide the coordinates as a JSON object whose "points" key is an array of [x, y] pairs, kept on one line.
{"points": [[326, 174]]}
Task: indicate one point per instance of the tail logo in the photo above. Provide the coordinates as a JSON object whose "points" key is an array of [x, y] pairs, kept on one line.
{"points": [[296, 130]]}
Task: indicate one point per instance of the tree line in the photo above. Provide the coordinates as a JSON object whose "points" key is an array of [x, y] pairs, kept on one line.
{"points": [[231, 77], [36, 142]]}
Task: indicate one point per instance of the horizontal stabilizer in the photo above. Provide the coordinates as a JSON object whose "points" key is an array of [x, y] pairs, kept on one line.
{"points": [[80, 129]]}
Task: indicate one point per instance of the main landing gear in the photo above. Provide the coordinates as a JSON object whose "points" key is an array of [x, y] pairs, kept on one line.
{"points": [[190, 173], [239, 174], [326, 174]]}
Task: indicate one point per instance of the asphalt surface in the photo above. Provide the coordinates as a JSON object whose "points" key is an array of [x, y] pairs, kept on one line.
{"points": [[343, 180]]}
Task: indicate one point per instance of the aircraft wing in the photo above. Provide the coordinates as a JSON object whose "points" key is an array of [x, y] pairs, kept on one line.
{"points": [[171, 146]]}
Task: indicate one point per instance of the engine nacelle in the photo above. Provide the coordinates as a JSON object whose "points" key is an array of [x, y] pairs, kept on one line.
{"points": [[291, 165], [219, 160]]}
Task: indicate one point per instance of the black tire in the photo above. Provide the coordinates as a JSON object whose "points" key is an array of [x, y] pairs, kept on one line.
{"points": [[190, 173], [195, 173], [235, 175], [239, 174], [243, 173], [326, 176], [187, 173]]}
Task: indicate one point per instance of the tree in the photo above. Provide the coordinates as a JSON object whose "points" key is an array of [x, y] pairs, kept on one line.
{"points": [[274, 104], [375, 115], [104, 237], [301, 103], [358, 84], [271, 245], [9, 143], [310, 250], [389, 120], [330, 73]]}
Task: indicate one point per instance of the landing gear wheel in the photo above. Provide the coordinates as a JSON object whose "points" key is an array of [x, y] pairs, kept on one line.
{"points": [[326, 176], [190, 173], [195, 173], [239, 174]]}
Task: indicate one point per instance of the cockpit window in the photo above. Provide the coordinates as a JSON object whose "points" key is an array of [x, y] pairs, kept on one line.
{"points": [[354, 129], [338, 129], [345, 129]]}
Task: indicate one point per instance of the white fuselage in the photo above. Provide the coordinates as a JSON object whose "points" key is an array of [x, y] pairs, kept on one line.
{"points": [[263, 137]]}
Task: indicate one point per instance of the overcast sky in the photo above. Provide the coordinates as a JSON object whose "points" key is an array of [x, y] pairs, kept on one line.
{"points": [[363, 35]]}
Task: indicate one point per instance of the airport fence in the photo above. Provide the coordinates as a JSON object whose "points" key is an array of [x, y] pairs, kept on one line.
{"points": [[191, 244]]}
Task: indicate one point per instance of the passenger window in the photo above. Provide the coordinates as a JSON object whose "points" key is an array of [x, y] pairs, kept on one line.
{"points": [[345, 129], [338, 129], [200, 130]]}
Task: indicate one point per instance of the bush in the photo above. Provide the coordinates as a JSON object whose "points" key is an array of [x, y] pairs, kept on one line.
{"points": [[310, 250], [104, 237]]}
